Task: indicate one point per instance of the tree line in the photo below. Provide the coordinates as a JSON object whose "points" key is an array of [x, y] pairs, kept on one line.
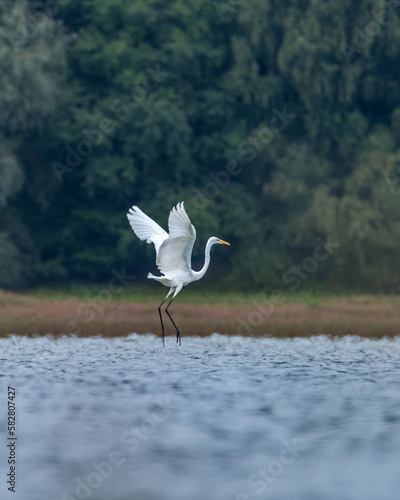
{"points": [[277, 122]]}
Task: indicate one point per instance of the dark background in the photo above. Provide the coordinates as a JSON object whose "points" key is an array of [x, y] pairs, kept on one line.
{"points": [[277, 122]]}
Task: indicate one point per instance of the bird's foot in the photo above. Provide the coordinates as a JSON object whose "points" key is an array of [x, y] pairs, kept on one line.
{"points": [[163, 339], [178, 338]]}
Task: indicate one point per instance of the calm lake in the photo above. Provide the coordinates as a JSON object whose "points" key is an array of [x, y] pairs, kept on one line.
{"points": [[217, 418]]}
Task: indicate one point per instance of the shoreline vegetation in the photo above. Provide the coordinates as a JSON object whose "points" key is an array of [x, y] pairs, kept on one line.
{"points": [[89, 311]]}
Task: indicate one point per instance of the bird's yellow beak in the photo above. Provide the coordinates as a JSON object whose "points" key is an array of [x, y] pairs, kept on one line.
{"points": [[224, 242]]}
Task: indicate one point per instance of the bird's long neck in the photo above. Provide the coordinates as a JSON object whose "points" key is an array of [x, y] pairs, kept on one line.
{"points": [[199, 274]]}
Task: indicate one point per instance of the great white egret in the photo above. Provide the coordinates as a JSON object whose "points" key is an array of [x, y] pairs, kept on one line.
{"points": [[174, 252]]}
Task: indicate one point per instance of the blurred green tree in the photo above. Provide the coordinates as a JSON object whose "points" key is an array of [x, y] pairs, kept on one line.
{"points": [[32, 64], [277, 122]]}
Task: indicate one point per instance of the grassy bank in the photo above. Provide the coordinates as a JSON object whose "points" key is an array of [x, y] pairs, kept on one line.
{"points": [[85, 311]]}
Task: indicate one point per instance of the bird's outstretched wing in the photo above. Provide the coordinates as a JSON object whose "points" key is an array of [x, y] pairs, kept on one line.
{"points": [[175, 252], [145, 228]]}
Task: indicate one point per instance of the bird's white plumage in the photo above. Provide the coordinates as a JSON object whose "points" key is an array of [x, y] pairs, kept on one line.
{"points": [[176, 251], [145, 228]]}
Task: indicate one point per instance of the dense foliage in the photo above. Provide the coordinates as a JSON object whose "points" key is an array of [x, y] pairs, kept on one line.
{"points": [[278, 123]]}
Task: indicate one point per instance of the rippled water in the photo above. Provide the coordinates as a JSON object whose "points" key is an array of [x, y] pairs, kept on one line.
{"points": [[217, 418]]}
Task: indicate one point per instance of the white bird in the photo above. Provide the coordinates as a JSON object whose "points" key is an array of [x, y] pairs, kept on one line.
{"points": [[174, 251]]}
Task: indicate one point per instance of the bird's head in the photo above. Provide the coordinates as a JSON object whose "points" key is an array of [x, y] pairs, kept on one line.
{"points": [[214, 240]]}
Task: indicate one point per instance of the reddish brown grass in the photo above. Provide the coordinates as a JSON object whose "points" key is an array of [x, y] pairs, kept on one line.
{"points": [[25, 315]]}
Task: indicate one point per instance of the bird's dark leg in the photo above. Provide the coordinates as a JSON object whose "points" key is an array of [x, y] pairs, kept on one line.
{"points": [[162, 324], [178, 335]]}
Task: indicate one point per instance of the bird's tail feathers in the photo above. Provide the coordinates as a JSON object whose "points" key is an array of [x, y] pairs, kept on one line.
{"points": [[162, 279]]}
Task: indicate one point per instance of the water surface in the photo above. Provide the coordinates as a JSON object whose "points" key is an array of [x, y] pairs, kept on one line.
{"points": [[217, 418]]}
